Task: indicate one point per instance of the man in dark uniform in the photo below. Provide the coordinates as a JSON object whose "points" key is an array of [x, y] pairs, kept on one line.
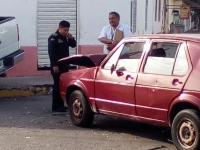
{"points": [[58, 47]]}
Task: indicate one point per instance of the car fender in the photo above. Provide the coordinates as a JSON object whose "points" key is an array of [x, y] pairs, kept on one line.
{"points": [[79, 84], [184, 98]]}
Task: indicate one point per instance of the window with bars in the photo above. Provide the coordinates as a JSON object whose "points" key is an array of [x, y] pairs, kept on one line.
{"points": [[146, 15], [133, 15], [156, 9], [159, 10]]}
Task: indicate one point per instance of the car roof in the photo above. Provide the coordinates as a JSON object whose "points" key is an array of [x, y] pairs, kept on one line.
{"points": [[180, 36]]}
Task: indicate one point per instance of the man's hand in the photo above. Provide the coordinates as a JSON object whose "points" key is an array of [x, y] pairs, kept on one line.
{"points": [[111, 46], [115, 42], [55, 69], [69, 35]]}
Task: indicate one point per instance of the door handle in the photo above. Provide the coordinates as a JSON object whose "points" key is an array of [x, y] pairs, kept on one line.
{"points": [[176, 82], [0, 42], [120, 71], [129, 77]]}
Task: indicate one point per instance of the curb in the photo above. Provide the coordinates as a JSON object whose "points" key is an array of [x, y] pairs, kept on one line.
{"points": [[25, 91]]}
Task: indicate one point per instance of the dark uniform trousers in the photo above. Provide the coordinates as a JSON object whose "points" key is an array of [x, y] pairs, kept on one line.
{"points": [[57, 101]]}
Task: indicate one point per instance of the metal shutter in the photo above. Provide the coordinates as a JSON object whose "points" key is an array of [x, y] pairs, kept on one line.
{"points": [[49, 14]]}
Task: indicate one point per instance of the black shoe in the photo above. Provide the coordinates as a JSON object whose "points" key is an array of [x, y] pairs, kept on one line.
{"points": [[65, 107], [62, 109]]}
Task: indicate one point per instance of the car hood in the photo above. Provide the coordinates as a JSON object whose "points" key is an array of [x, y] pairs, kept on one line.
{"points": [[91, 60]]}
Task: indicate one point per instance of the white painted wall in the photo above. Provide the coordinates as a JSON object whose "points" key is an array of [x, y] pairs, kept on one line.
{"points": [[25, 12], [140, 23], [153, 26], [93, 15], [151, 29], [157, 25]]}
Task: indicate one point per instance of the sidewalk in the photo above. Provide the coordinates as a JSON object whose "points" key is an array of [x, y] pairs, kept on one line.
{"points": [[193, 31], [25, 86]]}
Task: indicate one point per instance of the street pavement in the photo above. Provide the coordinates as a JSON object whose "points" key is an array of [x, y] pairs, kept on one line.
{"points": [[193, 31], [26, 123]]}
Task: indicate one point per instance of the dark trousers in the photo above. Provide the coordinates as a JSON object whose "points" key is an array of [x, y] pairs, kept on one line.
{"points": [[57, 101]]}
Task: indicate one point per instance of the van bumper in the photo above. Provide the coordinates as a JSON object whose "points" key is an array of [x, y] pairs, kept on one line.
{"points": [[11, 60]]}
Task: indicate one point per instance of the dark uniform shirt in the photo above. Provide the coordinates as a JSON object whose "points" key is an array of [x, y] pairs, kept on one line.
{"points": [[58, 47]]}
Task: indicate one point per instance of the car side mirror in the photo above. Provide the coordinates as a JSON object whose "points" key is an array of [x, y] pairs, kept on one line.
{"points": [[112, 68]]}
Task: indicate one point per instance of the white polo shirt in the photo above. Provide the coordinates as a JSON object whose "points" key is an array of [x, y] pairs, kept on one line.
{"points": [[108, 32]]}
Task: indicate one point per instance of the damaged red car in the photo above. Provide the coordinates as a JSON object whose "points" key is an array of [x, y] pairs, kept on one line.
{"points": [[150, 78]]}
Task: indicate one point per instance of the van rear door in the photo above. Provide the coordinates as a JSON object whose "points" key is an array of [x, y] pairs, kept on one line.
{"points": [[9, 42]]}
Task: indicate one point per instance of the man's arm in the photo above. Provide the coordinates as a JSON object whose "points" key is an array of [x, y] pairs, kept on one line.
{"points": [[112, 45], [103, 38], [52, 50], [72, 41]]}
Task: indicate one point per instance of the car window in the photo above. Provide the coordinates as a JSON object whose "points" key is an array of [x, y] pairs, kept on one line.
{"points": [[181, 65], [161, 58], [113, 59], [130, 56]]}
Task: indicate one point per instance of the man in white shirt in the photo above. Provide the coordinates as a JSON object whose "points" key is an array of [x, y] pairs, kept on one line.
{"points": [[108, 31]]}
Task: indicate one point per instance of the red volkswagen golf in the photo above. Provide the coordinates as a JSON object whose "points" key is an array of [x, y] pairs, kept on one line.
{"points": [[151, 78]]}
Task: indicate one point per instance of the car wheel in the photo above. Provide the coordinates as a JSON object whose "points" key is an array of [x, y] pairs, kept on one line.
{"points": [[79, 110], [185, 130]]}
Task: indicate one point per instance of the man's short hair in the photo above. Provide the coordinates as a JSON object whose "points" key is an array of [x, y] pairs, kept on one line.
{"points": [[115, 13], [64, 24]]}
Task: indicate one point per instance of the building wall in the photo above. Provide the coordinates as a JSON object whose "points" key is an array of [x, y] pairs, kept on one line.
{"points": [[153, 26], [89, 27], [25, 13], [140, 24], [157, 23], [92, 15], [176, 6]]}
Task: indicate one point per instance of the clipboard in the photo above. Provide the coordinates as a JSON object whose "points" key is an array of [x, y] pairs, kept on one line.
{"points": [[119, 35]]}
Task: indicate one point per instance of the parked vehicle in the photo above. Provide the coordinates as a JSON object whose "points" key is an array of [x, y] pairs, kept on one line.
{"points": [[10, 54], [148, 78]]}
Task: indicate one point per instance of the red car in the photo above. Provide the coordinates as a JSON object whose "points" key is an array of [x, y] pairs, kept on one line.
{"points": [[150, 78]]}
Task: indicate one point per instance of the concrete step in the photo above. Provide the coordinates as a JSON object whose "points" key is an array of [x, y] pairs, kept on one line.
{"points": [[25, 86]]}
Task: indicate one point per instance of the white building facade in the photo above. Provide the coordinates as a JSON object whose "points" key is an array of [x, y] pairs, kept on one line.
{"points": [[39, 18]]}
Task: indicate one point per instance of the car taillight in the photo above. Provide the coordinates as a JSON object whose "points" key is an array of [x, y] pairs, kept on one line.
{"points": [[18, 32]]}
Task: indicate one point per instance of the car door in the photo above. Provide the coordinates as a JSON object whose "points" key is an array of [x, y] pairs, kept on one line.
{"points": [[115, 80], [161, 79]]}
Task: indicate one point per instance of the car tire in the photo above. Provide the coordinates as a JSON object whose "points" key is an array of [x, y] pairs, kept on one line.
{"points": [[79, 110], [186, 130]]}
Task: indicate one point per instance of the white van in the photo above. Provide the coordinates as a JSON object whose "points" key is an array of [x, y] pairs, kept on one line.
{"points": [[10, 53]]}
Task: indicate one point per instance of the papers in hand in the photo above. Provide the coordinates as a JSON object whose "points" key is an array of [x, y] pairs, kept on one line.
{"points": [[118, 36]]}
